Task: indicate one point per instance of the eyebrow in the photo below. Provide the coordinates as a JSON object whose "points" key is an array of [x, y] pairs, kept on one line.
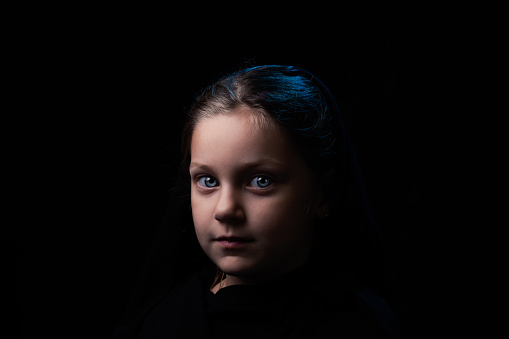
{"points": [[198, 165], [244, 165]]}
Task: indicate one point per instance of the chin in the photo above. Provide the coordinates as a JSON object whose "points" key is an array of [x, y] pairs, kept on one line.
{"points": [[236, 266]]}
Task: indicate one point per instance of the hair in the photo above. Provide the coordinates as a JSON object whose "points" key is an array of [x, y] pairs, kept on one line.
{"points": [[277, 94]]}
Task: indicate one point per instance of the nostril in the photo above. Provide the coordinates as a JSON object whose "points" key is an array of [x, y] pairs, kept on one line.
{"points": [[232, 213], [230, 216]]}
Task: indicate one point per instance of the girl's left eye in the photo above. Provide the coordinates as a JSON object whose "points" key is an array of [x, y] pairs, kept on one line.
{"points": [[261, 182]]}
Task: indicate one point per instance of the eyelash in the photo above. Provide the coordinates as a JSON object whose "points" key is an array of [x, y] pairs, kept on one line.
{"points": [[199, 178]]}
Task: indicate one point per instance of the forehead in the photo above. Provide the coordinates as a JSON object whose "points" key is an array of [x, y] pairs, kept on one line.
{"points": [[237, 137]]}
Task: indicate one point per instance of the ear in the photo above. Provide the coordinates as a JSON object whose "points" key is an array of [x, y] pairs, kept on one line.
{"points": [[323, 198]]}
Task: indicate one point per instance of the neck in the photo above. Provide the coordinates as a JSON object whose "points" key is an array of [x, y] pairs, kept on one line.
{"points": [[230, 280]]}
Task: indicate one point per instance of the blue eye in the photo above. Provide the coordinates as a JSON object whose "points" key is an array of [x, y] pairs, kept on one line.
{"points": [[260, 182], [208, 182]]}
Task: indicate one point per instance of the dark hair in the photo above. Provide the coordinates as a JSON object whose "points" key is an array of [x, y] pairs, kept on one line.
{"points": [[281, 94]]}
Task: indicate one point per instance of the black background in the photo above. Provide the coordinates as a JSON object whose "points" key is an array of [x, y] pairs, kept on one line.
{"points": [[100, 92]]}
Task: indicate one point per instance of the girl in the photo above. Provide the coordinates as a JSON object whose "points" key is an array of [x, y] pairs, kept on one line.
{"points": [[278, 241]]}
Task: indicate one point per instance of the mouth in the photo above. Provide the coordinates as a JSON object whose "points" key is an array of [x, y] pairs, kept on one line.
{"points": [[230, 242]]}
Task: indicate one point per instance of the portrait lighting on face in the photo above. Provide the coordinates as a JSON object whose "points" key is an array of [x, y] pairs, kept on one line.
{"points": [[250, 192]]}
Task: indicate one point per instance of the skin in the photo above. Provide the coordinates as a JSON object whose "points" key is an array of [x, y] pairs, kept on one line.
{"points": [[248, 181]]}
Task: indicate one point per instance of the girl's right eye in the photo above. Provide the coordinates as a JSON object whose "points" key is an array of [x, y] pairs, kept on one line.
{"points": [[207, 182]]}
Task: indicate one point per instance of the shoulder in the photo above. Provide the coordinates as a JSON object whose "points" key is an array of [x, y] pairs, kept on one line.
{"points": [[179, 313], [355, 312], [376, 309], [358, 322]]}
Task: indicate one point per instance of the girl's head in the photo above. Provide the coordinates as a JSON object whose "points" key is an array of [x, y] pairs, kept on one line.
{"points": [[261, 147]]}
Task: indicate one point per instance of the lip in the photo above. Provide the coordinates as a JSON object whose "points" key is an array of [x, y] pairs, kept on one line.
{"points": [[231, 242]]}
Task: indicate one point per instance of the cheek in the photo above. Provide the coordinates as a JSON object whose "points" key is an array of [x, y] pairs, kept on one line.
{"points": [[202, 212], [285, 215]]}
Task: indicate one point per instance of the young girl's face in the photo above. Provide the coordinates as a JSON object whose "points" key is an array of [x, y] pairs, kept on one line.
{"points": [[252, 197]]}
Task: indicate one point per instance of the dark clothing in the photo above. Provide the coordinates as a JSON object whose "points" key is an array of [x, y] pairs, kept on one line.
{"points": [[299, 305]]}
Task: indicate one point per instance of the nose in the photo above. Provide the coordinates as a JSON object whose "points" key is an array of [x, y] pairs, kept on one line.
{"points": [[229, 208]]}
